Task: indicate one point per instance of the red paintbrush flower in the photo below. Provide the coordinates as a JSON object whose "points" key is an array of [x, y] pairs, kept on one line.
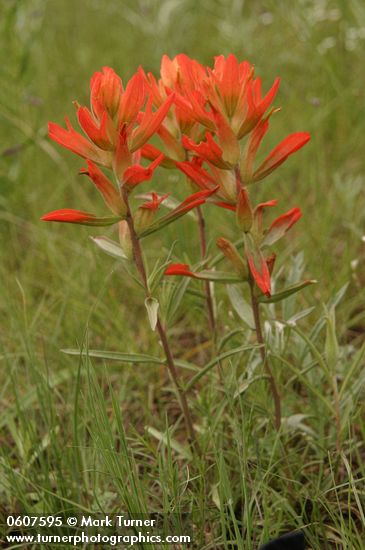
{"points": [[232, 91], [101, 132], [280, 153], [224, 179], [68, 215], [136, 173], [109, 193], [77, 143], [226, 205], [133, 98], [208, 150], [180, 269], [194, 200], [260, 273], [154, 203], [184, 77], [281, 225], [181, 73], [257, 264], [244, 212], [191, 202], [145, 214], [115, 127], [256, 106], [257, 217], [270, 261], [149, 123], [105, 92], [228, 81], [194, 171], [250, 151]]}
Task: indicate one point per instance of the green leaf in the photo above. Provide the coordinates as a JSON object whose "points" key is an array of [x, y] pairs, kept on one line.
{"points": [[279, 296], [156, 275], [306, 381], [176, 297], [241, 307], [215, 361], [218, 276], [247, 383], [110, 247], [295, 422], [350, 373], [128, 357], [331, 343], [333, 302], [228, 336], [162, 222], [186, 365], [152, 306], [100, 221], [168, 441], [292, 321], [115, 356]]}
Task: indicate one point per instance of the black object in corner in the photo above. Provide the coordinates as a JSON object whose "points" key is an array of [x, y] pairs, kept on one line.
{"points": [[291, 541]]}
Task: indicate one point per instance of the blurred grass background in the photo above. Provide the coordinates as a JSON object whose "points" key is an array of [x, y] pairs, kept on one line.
{"points": [[54, 284]]}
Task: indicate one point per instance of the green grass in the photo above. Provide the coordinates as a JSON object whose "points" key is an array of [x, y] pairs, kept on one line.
{"points": [[79, 433]]}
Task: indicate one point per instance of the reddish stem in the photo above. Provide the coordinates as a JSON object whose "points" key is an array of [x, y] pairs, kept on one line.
{"points": [[138, 260], [203, 252], [260, 339]]}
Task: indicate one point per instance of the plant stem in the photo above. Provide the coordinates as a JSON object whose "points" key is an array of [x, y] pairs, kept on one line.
{"points": [[203, 252], [337, 412], [208, 293], [180, 392], [260, 339], [139, 262]]}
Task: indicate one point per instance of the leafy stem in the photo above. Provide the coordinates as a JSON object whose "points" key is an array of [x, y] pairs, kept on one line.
{"points": [[260, 339], [139, 262]]}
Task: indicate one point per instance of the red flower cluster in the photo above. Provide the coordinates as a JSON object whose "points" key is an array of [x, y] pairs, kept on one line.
{"points": [[118, 124], [210, 123]]}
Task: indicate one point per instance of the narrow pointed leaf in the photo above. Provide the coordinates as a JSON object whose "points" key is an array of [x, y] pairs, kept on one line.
{"points": [[247, 383], [167, 440], [279, 296], [241, 307], [115, 356], [110, 247], [219, 276], [127, 357], [214, 362], [152, 306], [331, 343]]}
